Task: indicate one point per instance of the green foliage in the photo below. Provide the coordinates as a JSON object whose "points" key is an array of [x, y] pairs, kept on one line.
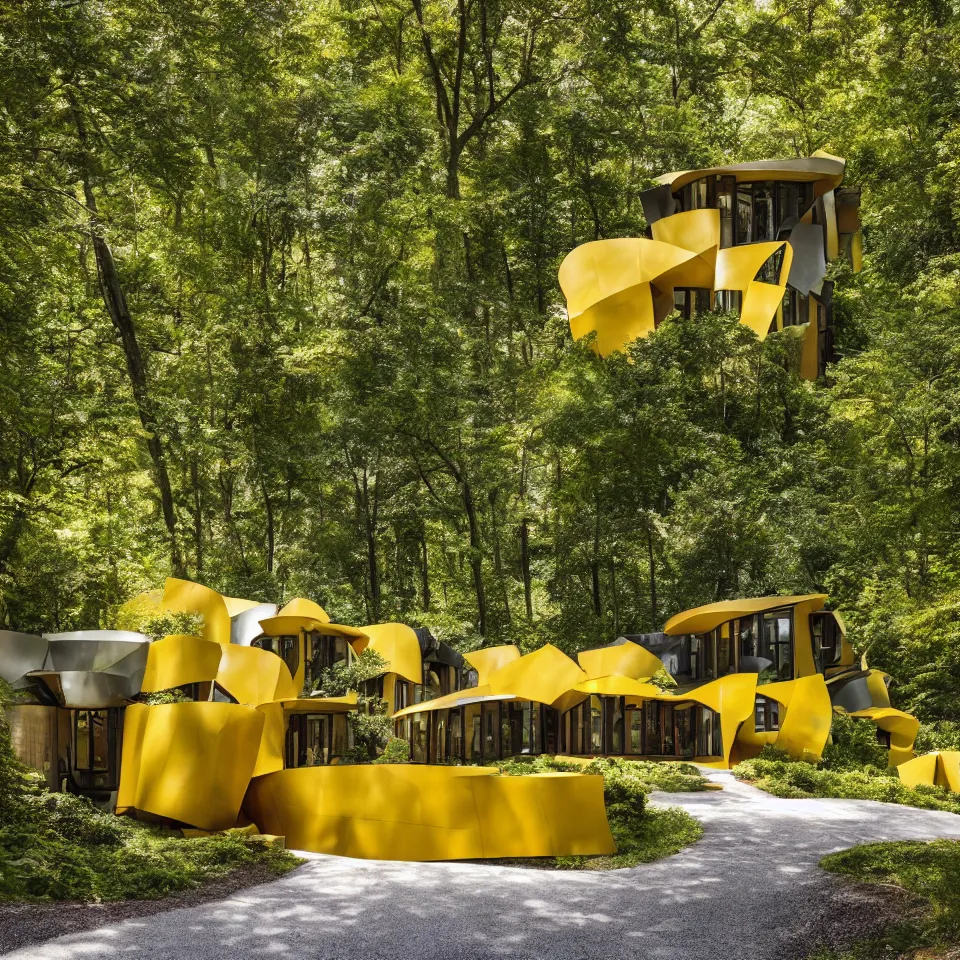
{"points": [[662, 680], [55, 846], [854, 745], [779, 774], [642, 833], [344, 676], [396, 751], [167, 623], [930, 871], [159, 697]]}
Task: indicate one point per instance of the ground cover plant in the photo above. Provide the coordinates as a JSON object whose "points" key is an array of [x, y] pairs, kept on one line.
{"points": [[853, 767], [642, 833], [930, 871], [55, 846]]}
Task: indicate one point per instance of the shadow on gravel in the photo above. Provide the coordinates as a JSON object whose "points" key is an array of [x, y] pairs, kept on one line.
{"points": [[749, 890]]}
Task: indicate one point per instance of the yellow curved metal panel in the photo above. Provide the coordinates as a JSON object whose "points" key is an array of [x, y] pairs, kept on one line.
{"points": [[543, 676], [695, 230], [733, 697], [818, 166], [830, 224], [949, 770], [307, 609], [760, 304], [902, 727], [270, 754], [876, 684], [626, 659], [856, 251], [417, 812], [450, 700], [921, 771], [805, 728], [236, 605], [490, 659], [320, 704], [621, 686], [285, 626], [706, 618], [617, 320], [180, 659], [189, 762], [254, 676], [184, 596], [398, 645]]}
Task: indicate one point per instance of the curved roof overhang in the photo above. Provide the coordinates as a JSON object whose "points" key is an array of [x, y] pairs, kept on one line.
{"points": [[712, 615], [820, 166]]}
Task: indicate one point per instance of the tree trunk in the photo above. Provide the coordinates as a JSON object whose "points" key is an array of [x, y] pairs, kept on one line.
{"points": [[424, 573], [116, 304], [653, 579], [595, 566], [271, 531], [476, 557], [525, 564]]}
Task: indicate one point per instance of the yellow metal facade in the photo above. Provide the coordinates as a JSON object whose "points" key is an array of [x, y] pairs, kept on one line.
{"points": [[620, 290]]}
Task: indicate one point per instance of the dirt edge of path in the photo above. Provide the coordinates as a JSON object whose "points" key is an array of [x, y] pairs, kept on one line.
{"points": [[27, 924]]}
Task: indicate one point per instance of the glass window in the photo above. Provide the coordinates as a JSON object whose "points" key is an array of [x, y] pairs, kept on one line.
{"points": [[744, 212], [725, 658], [651, 735], [766, 715], [726, 191], [635, 725], [729, 301], [686, 735], [596, 725], [778, 644], [290, 652], [491, 731], [763, 226], [825, 634]]}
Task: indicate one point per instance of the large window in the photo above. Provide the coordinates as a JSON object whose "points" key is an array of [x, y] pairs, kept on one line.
{"points": [[690, 301], [750, 212], [316, 739], [95, 748], [766, 644], [796, 308], [322, 652], [826, 638]]}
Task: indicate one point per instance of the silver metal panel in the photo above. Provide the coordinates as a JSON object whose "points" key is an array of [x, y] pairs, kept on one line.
{"points": [[806, 168], [100, 655], [128, 635], [245, 627], [19, 654], [809, 260], [83, 689], [852, 695]]}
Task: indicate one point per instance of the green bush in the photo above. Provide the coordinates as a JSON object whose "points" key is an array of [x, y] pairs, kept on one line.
{"points": [[396, 751], [854, 745], [779, 774], [55, 846]]}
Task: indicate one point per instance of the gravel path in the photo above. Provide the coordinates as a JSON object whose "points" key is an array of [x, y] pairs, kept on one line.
{"points": [[749, 890]]}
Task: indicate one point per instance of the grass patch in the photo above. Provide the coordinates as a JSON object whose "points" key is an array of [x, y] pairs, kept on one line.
{"points": [[930, 871], [642, 833]]}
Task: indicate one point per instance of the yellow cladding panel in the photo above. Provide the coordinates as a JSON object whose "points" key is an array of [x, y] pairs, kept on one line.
{"points": [[621, 686], [254, 676], [490, 659], [183, 596], [805, 727], [856, 251], [810, 351], [599, 269], [733, 697], [760, 304], [399, 646], [694, 230], [737, 266], [415, 812], [236, 605], [617, 320], [830, 222], [803, 662], [270, 755], [306, 609], [901, 726], [180, 659], [706, 618], [626, 659], [921, 771], [543, 676], [876, 684], [189, 762]]}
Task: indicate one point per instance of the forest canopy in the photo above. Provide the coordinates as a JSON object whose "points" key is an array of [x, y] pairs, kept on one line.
{"points": [[279, 313]]}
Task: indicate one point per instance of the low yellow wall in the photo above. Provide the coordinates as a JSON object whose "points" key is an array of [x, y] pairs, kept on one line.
{"points": [[413, 812]]}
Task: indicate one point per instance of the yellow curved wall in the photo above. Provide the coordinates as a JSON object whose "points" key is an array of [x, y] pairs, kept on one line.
{"points": [[544, 675], [490, 659], [180, 659], [189, 762], [183, 596], [414, 812], [626, 659], [398, 645], [254, 676]]}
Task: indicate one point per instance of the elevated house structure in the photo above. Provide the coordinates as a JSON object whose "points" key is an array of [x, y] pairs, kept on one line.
{"points": [[752, 238]]}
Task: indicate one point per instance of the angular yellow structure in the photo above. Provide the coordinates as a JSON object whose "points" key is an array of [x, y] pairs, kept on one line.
{"points": [[754, 238], [211, 732]]}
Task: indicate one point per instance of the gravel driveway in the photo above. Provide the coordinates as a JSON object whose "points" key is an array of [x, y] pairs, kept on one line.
{"points": [[749, 890]]}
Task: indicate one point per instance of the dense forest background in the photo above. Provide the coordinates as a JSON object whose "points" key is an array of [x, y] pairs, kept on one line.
{"points": [[279, 313]]}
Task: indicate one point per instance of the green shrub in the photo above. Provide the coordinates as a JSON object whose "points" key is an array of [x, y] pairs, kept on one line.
{"points": [[854, 745], [396, 751], [782, 776]]}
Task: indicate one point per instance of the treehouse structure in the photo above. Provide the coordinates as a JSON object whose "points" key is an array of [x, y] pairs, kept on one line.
{"points": [[752, 238]]}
